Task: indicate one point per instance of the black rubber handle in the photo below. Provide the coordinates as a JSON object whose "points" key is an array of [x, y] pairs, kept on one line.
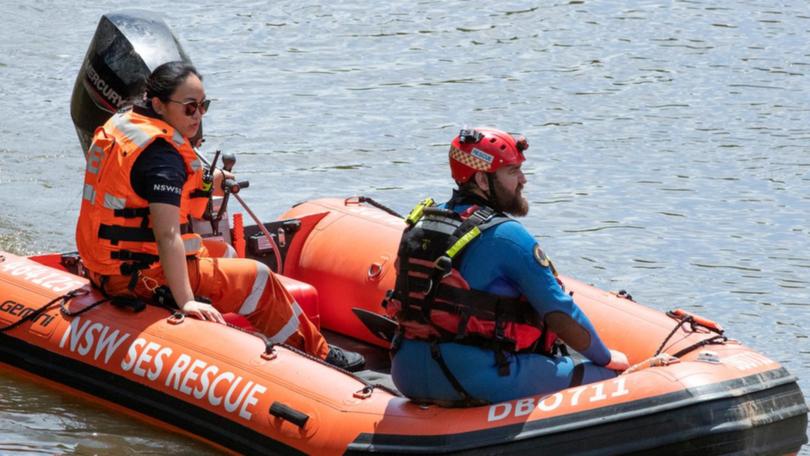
{"points": [[230, 186], [285, 412]]}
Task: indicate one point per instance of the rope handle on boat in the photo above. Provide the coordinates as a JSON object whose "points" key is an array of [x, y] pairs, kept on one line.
{"points": [[366, 199], [62, 300], [663, 359], [720, 339], [696, 320], [72, 294], [683, 317]]}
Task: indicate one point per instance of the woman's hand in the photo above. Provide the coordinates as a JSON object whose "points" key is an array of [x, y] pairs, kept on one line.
{"points": [[219, 176], [618, 361], [203, 311]]}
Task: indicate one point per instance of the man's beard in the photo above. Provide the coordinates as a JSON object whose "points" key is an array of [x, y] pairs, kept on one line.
{"points": [[513, 204]]}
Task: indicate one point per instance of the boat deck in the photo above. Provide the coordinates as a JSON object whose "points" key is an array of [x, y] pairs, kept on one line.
{"points": [[378, 362]]}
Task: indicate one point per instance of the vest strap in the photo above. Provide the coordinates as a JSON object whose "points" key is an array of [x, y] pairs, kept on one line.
{"points": [[466, 399], [136, 262], [127, 255], [475, 303], [200, 193], [132, 212], [117, 233], [131, 269]]}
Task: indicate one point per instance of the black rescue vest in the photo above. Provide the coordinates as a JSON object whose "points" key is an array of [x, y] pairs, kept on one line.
{"points": [[432, 302]]}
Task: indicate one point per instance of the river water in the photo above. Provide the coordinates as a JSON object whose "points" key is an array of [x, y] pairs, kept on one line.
{"points": [[670, 145]]}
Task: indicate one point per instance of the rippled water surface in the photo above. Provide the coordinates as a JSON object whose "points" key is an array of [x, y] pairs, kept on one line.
{"points": [[670, 145]]}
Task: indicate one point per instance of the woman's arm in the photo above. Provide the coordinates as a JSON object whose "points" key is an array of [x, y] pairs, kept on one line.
{"points": [[172, 255]]}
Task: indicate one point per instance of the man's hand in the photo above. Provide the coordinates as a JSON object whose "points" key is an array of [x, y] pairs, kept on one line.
{"points": [[203, 311], [618, 361]]}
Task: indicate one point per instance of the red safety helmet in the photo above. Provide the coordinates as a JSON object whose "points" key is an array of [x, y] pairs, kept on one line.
{"points": [[484, 149]]}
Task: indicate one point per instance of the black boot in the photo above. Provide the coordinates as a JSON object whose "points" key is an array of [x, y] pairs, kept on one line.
{"points": [[344, 359]]}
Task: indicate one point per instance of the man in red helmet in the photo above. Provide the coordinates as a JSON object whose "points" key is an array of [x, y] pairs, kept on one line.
{"points": [[478, 302]]}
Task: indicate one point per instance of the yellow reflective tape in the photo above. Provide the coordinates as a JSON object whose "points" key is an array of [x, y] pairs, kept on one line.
{"points": [[463, 241], [418, 211]]}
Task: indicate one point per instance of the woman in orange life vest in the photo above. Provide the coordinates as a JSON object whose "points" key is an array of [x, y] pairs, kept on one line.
{"points": [[142, 183]]}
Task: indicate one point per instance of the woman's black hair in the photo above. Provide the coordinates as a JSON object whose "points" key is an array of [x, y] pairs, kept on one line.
{"points": [[165, 79]]}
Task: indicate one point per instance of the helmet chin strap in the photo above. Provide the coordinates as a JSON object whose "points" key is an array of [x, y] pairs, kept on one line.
{"points": [[488, 197], [491, 196]]}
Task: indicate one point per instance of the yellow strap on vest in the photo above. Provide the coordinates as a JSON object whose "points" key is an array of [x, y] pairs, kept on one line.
{"points": [[418, 211], [463, 241]]}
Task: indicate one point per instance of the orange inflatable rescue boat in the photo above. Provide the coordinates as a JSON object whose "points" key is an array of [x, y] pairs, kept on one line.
{"points": [[704, 394], [692, 391]]}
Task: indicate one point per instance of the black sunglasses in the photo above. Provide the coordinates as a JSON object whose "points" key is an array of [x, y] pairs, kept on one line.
{"points": [[193, 106]]}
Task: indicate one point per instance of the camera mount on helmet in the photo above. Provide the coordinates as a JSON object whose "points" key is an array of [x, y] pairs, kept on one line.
{"points": [[469, 136]]}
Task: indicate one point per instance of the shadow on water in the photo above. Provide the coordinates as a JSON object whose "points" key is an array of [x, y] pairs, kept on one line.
{"points": [[39, 420]]}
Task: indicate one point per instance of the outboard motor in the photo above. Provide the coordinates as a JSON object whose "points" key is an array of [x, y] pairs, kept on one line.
{"points": [[127, 46]]}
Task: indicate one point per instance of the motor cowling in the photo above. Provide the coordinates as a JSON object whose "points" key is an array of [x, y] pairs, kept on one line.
{"points": [[125, 49]]}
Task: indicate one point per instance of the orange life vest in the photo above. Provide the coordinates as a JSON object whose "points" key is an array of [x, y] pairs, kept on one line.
{"points": [[114, 232]]}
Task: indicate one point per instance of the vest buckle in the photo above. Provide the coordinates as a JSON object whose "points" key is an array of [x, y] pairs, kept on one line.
{"points": [[443, 265]]}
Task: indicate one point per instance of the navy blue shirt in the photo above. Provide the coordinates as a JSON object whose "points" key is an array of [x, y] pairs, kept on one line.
{"points": [[159, 173]]}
